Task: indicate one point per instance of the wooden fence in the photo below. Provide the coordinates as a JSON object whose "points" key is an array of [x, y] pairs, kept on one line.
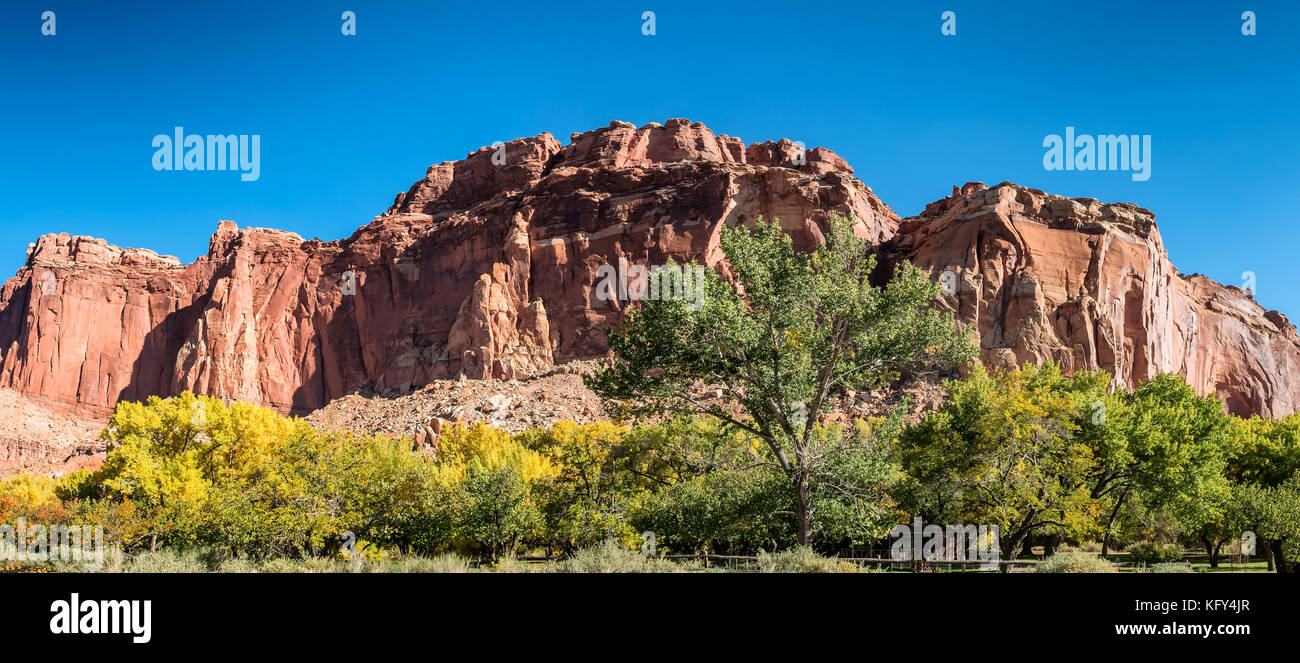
{"points": [[902, 564]]}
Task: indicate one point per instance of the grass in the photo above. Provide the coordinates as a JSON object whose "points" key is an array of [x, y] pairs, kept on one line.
{"points": [[608, 557]]}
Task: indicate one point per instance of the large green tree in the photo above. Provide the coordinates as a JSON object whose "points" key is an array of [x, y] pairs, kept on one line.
{"points": [[1167, 448], [783, 332]]}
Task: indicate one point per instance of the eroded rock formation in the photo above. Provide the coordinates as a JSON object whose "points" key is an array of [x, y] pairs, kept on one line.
{"points": [[486, 267], [1088, 285], [489, 267]]}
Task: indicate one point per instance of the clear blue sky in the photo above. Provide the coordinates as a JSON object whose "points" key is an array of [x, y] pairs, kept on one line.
{"points": [[348, 121]]}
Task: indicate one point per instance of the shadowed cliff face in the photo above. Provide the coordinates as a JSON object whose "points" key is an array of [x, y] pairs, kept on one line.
{"points": [[490, 266]]}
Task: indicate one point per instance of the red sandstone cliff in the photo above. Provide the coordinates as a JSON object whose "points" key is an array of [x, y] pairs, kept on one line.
{"points": [[1041, 277], [482, 267], [488, 267]]}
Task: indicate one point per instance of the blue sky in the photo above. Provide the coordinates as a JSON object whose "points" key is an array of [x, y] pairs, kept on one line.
{"points": [[348, 121]]}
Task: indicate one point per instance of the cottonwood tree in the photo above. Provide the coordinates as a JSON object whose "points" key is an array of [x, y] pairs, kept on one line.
{"points": [[779, 337]]}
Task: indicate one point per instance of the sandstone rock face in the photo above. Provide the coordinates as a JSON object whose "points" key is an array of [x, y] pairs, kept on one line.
{"points": [[1038, 277], [491, 267], [487, 267]]}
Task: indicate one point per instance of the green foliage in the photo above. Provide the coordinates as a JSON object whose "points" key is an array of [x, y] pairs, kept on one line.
{"points": [[1154, 553], [1273, 514], [1267, 451], [730, 511], [399, 499], [611, 557], [791, 328], [1179, 444], [1039, 454], [1003, 451], [497, 513], [585, 501]]}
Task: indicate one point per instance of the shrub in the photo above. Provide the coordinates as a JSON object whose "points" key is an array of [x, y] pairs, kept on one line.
{"points": [[801, 559], [1152, 553], [449, 563], [1074, 563], [610, 557], [1171, 567]]}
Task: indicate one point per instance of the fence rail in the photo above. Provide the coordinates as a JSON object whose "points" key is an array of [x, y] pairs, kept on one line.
{"points": [[964, 564]]}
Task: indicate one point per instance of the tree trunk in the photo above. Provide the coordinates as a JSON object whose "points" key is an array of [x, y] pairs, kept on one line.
{"points": [[803, 504], [1268, 554], [1212, 551], [1051, 543], [1110, 522], [1011, 545], [1279, 557]]}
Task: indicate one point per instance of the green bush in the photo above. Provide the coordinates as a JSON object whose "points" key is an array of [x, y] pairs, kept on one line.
{"points": [[801, 559], [1074, 563], [1153, 553], [610, 557], [1171, 567]]}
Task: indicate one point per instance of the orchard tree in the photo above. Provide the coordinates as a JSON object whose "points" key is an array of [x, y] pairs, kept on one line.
{"points": [[1273, 514], [1168, 446], [1266, 492], [1002, 451], [497, 513], [782, 335]]}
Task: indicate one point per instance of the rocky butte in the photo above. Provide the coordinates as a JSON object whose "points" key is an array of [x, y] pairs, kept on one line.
{"points": [[490, 270]]}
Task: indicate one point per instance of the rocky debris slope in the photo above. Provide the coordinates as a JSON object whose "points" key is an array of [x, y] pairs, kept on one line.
{"points": [[1039, 278], [35, 439], [513, 405], [520, 405], [488, 267]]}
